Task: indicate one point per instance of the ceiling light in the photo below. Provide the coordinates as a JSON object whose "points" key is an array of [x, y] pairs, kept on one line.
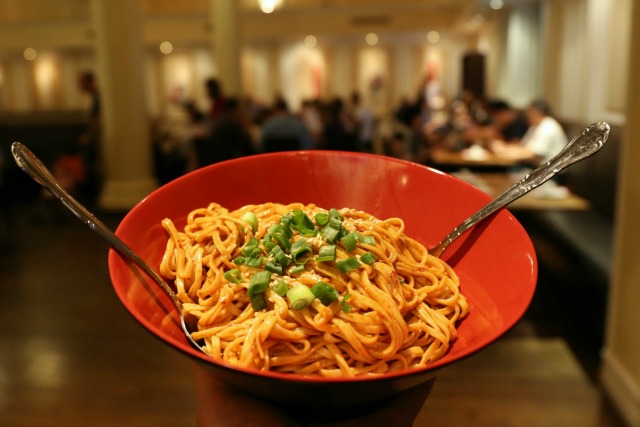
{"points": [[371, 39], [29, 54], [268, 6], [166, 47], [310, 41], [496, 4]]}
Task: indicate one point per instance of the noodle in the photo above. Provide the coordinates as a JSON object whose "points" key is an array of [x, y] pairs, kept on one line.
{"points": [[383, 304]]}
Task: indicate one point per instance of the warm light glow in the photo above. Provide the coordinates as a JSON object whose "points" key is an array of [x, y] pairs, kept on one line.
{"points": [[302, 72], [371, 39], [43, 363], [310, 41], [496, 4], [268, 6], [475, 22], [166, 47], [47, 78], [433, 37], [29, 54], [178, 78]]}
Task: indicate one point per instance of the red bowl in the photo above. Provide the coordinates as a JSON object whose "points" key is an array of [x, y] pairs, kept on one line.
{"points": [[496, 261]]}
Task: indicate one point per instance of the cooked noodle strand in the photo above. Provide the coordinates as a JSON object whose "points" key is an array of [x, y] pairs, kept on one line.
{"points": [[401, 313]]}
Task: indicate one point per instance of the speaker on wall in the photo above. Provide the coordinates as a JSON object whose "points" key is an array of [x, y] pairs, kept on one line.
{"points": [[473, 65]]}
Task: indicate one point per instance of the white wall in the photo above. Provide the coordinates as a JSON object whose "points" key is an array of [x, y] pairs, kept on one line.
{"points": [[621, 363], [522, 78], [584, 57]]}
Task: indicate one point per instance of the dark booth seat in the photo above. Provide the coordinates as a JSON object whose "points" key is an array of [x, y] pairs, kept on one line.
{"points": [[576, 247]]}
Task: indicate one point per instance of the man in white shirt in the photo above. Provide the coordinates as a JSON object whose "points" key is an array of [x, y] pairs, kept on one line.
{"points": [[544, 139]]}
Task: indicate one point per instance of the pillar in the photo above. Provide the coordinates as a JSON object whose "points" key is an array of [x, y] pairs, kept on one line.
{"points": [[226, 44], [126, 144]]}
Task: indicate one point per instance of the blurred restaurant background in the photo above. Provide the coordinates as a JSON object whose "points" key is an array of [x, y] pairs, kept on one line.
{"points": [[120, 96]]}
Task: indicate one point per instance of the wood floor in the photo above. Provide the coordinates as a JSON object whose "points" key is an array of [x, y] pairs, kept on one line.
{"points": [[71, 356]]}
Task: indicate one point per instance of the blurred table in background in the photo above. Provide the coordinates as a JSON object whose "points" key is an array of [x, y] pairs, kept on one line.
{"points": [[548, 196], [475, 157]]}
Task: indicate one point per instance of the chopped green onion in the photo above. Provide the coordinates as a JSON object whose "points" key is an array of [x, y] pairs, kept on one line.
{"points": [[321, 219], [335, 213], [299, 249], [259, 283], [273, 268], [251, 249], [349, 241], [239, 260], [348, 264], [297, 269], [334, 223], [326, 253], [279, 256], [280, 288], [324, 292], [367, 240], [285, 221], [343, 303], [299, 297], [254, 262], [278, 233], [329, 234], [269, 245], [368, 258], [257, 302], [332, 230], [252, 252], [233, 276], [251, 219], [302, 223]]}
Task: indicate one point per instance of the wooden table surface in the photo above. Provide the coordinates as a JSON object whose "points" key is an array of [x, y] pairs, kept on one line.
{"points": [[70, 354]]}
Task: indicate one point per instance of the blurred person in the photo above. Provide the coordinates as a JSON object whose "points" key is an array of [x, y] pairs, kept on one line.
{"points": [[228, 137], [544, 139], [255, 113], [87, 84], [90, 140], [311, 116], [364, 122], [432, 90], [216, 97], [453, 131], [284, 131], [475, 106], [339, 129], [78, 168], [505, 122], [406, 111], [183, 157], [398, 147]]}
